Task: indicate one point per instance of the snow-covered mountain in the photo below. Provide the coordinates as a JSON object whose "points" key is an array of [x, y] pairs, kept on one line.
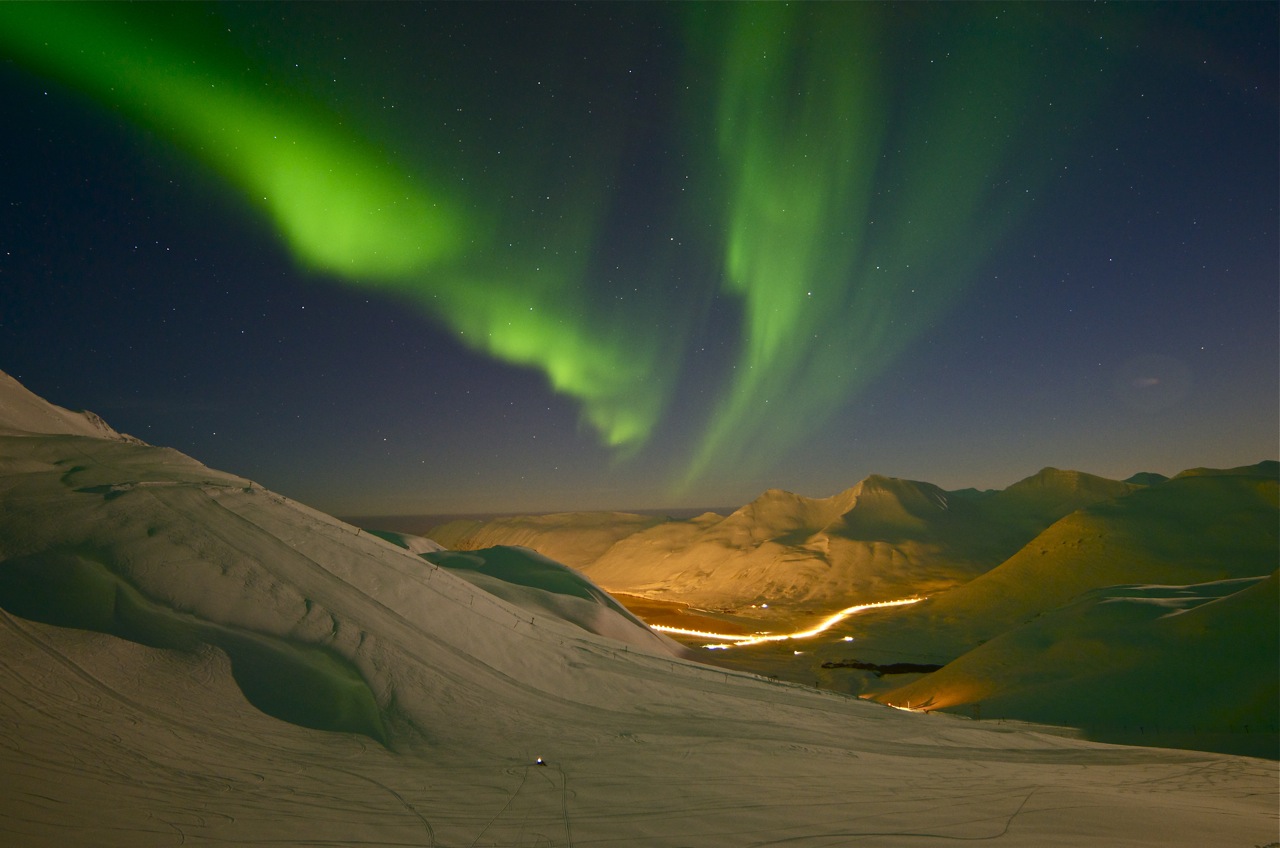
{"points": [[881, 539], [1196, 528], [23, 411], [1015, 580], [186, 657]]}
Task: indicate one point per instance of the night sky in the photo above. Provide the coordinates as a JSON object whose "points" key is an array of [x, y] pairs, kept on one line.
{"points": [[483, 257]]}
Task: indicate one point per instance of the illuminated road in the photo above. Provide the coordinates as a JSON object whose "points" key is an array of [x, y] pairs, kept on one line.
{"points": [[732, 641]]}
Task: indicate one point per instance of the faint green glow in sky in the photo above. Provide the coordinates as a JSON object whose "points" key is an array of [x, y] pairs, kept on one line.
{"points": [[855, 204], [345, 208], [855, 194]]}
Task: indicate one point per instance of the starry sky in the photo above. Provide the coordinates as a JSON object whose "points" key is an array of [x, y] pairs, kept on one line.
{"points": [[487, 257]]}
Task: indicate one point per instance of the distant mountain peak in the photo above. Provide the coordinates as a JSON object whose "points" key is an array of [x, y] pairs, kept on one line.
{"points": [[1053, 476], [1067, 481]]}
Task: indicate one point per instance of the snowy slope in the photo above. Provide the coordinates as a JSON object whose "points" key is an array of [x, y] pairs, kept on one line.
{"points": [[21, 411], [1173, 665], [533, 582], [224, 592]]}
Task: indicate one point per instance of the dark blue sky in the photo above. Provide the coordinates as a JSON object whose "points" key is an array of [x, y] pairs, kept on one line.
{"points": [[1120, 314]]}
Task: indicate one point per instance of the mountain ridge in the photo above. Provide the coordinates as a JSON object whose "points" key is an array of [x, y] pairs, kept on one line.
{"points": [[24, 411], [1189, 529], [873, 541]]}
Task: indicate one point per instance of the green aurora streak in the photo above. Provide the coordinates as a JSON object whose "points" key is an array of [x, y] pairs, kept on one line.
{"points": [[854, 201], [844, 247], [345, 209]]}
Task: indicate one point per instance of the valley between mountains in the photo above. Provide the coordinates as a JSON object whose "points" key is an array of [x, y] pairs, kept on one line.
{"points": [[1140, 609]]}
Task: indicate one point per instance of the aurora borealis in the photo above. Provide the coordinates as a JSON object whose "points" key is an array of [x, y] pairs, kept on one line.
{"points": [[839, 264], [470, 257]]}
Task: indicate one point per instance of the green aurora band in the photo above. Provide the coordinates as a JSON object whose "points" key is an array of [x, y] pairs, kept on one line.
{"points": [[857, 199], [346, 209], [854, 194]]}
